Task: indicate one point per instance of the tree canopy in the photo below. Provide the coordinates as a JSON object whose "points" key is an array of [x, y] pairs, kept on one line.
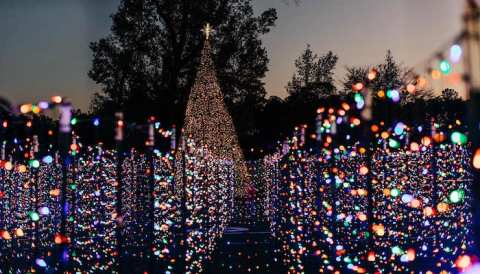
{"points": [[147, 66], [148, 62]]}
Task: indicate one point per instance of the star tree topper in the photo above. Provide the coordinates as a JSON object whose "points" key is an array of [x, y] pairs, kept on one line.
{"points": [[207, 30]]}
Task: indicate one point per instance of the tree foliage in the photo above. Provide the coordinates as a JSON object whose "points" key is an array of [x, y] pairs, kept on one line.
{"points": [[311, 85], [314, 75], [148, 63], [414, 107]]}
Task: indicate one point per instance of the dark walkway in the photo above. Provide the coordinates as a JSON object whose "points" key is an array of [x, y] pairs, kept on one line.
{"points": [[246, 250]]}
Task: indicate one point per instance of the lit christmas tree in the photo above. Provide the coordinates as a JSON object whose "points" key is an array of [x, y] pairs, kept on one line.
{"points": [[207, 121]]}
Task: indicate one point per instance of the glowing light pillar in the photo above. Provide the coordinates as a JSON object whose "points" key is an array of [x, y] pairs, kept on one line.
{"points": [[472, 69], [34, 153], [366, 142], [64, 139], [333, 190], [119, 170], [151, 192], [4, 144]]}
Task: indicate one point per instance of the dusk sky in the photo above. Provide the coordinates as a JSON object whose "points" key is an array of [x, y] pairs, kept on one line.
{"points": [[44, 44]]}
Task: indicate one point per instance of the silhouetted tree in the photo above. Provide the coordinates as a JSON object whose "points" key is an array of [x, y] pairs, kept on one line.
{"points": [[353, 76], [5, 107], [450, 95], [447, 107], [313, 76], [148, 63], [389, 76], [311, 86], [273, 122]]}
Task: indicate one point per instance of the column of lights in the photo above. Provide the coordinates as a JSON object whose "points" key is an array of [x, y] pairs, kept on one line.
{"points": [[411, 233], [412, 203], [209, 191], [93, 248]]}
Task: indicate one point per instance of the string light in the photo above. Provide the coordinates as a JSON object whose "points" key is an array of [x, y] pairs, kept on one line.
{"points": [[445, 67], [456, 53], [207, 121]]}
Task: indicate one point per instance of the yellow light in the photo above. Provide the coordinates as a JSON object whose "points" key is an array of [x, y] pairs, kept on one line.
{"points": [[363, 170], [218, 132], [426, 141], [26, 108], [414, 146], [442, 207], [463, 262], [345, 106], [415, 203], [381, 94], [476, 159], [422, 82], [428, 211], [19, 232], [379, 230], [36, 109], [386, 192], [22, 168], [436, 74], [55, 192], [362, 216], [8, 166]]}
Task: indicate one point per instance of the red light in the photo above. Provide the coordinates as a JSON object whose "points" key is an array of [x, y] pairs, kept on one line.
{"points": [[463, 262], [411, 88], [372, 74], [74, 147], [476, 159], [58, 239], [56, 99], [371, 256], [358, 86]]}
